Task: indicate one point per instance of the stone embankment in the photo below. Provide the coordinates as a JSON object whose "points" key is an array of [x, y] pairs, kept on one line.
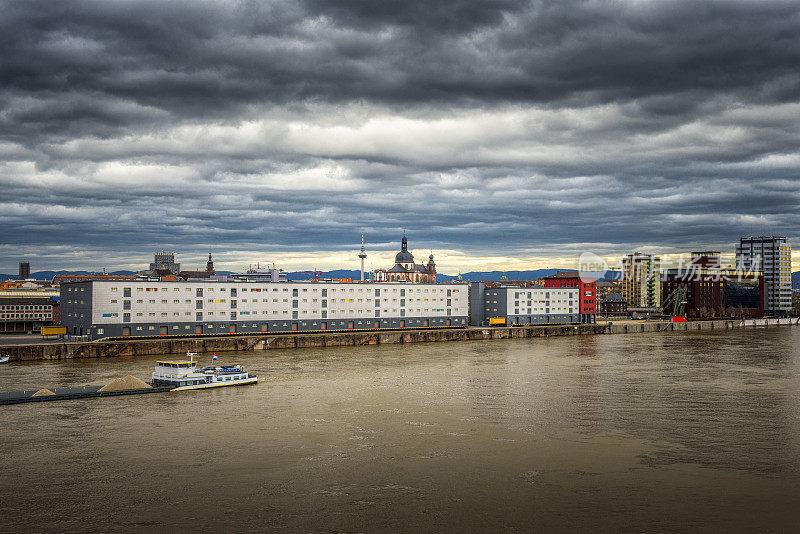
{"points": [[154, 347]]}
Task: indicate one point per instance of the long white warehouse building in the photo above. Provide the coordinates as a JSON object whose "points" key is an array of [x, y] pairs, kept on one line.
{"points": [[115, 308]]}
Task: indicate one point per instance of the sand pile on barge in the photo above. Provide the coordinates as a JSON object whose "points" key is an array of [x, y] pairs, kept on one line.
{"points": [[43, 393], [125, 383]]}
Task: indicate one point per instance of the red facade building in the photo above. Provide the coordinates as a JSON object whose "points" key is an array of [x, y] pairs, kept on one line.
{"points": [[587, 292]]}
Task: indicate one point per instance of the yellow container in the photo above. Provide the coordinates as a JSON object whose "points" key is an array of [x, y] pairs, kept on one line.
{"points": [[53, 330]]}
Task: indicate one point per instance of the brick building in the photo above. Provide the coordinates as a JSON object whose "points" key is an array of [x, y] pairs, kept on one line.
{"points": [[713, 291], [613, 304]]}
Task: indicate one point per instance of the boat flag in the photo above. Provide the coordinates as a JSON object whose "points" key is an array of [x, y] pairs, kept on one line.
{"points": [[215, 356]]}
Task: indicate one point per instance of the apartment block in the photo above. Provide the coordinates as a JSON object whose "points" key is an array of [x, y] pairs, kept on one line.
{"points": [[641, 280], [772, 256], [150, 308], [514, 305], [587, 291]]}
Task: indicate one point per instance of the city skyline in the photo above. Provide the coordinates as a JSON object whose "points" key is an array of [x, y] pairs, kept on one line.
{"points": [[448, 262], [503, 135]]}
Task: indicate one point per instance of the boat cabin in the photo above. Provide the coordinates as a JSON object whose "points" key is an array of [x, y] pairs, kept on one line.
{"points": [[180, 373], [185, 365]]}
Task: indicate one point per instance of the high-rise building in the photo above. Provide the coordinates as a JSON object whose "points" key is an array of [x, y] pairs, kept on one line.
{"points": [[24, 270], [164, 263], [772, 256], [641, 280]]}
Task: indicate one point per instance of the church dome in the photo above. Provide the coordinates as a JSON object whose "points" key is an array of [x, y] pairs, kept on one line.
{"points": [[404, 256]]}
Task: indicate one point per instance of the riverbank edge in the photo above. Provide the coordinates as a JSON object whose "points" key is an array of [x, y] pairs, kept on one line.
{"points": [[155, 347]]}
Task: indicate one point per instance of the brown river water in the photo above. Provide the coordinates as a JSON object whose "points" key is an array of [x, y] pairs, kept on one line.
{"points": [[643, 433]]}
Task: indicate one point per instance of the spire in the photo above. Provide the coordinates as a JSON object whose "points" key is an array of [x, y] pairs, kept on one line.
{"points": [[404, 244], [210, 264], [431, 268]]}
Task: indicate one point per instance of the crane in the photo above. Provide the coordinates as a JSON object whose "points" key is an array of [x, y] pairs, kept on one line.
{"points": [[315, 272], [676, 300]]}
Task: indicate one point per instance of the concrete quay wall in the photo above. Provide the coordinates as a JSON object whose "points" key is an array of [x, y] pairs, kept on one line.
{"points": [[634, 328], [155, 347]]}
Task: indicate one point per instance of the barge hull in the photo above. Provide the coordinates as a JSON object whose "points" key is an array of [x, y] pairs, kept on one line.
{"points": [[19, 397]]}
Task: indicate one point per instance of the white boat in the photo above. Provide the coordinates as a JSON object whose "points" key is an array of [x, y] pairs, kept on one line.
{"points": [[4, 359], [184, 375]]}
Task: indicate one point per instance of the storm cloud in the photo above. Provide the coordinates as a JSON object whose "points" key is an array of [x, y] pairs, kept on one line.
{"points": [[495, 132]]}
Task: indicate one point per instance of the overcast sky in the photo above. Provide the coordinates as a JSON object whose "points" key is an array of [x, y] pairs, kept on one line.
{"points": [[499, 134]]}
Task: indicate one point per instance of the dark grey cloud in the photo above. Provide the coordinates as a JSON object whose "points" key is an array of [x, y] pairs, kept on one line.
{"points": [[491, 127]]}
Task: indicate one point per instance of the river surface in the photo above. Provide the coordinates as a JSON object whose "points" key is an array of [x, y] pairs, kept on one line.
{"points": [[661, 432]]}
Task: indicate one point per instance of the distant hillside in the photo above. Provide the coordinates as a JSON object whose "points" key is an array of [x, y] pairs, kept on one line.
{"points": [[468, 277], [48, 275], [495, 276], [336, 273]]}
